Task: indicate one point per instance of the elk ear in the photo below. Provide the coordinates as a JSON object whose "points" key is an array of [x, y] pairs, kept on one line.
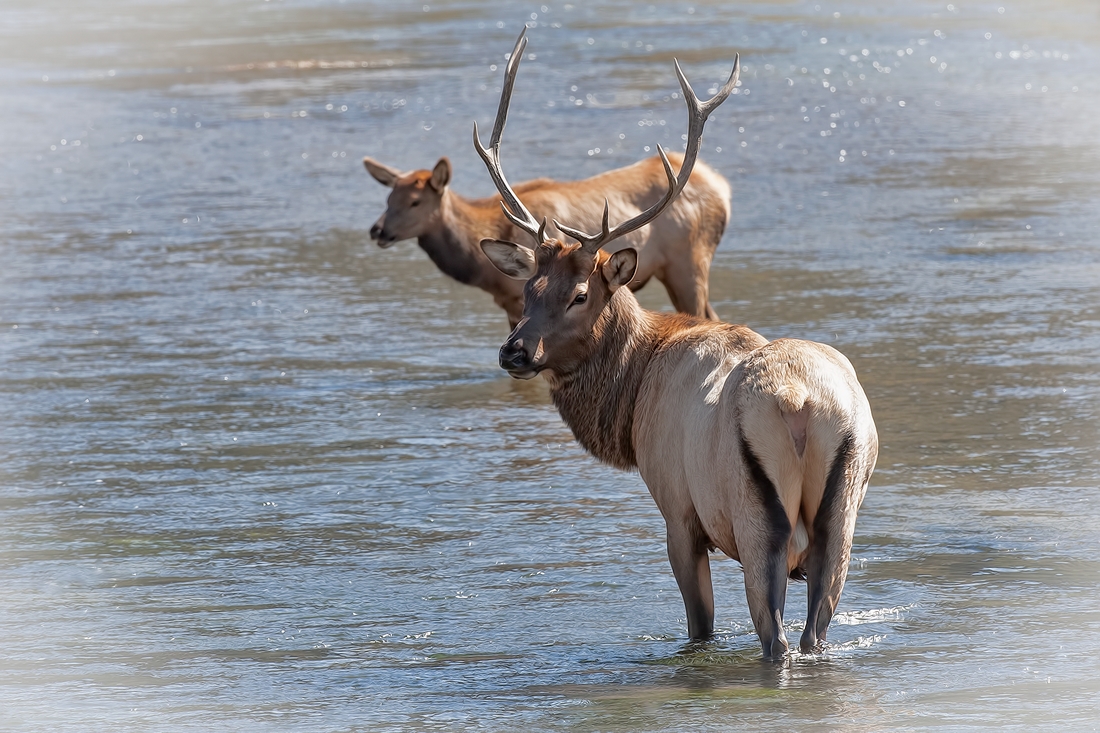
{"points": [[514, 261], [382, 173], [441, 175], [620, 268]]}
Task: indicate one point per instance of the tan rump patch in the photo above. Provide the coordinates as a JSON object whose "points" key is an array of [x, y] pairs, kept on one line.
{"points": [[796, 423]]}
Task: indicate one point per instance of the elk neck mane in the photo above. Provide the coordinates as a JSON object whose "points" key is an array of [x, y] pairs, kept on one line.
{"points": [[461, 223], [597, 399], [449, 242]]}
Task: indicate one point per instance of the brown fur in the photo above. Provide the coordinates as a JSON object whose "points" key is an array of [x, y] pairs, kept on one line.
{"points": [[677, 249]]}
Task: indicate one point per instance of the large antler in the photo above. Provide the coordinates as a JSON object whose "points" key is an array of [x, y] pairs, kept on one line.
{"points": [[514, 209], [698, 112]]}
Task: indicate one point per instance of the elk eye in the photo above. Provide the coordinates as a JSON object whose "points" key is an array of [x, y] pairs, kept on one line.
{"points": [[415, 203], [581, 298]]}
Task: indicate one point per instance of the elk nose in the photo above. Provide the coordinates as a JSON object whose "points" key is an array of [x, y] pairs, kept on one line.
{"points": [[375, 232], [513, 357]]}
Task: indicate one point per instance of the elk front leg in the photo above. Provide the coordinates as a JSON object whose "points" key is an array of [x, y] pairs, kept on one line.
{"points": [[687, 552], [688, 288]]}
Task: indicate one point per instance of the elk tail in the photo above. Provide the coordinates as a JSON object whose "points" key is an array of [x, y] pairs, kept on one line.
{"points": [[791, 398]]}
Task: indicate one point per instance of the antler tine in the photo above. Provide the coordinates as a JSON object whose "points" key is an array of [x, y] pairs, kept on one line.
{"points": [[698, 112], [514, 209]]}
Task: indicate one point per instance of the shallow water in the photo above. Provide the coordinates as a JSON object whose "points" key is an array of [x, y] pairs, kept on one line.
{"points": [[257, 474]]}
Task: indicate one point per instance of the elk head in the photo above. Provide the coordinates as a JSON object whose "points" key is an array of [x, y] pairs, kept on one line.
{"points": [[570, 285], [565, 297], [413, 203]]}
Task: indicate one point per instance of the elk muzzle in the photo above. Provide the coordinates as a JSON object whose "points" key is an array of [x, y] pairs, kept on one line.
{"points": [[379, 235], [518, 360]]}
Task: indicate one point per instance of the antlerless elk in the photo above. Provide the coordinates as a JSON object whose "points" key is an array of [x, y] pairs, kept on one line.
{"points": [[677, 249]]}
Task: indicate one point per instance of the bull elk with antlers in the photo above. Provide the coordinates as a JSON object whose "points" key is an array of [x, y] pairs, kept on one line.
{"points": [[677, 250], [760, 449]]}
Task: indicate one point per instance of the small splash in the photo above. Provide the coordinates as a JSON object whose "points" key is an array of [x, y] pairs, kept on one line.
{"points": [[860, 642], [857, 618]]}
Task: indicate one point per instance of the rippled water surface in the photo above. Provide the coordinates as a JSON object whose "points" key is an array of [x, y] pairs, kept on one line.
{"points": [[257, 474]]}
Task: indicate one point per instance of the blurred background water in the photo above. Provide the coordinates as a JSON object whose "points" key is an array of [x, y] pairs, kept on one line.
{"points": [[257, 474]]}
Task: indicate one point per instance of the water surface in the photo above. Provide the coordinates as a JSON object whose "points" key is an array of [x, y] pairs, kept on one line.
{"points": [[257, 474]]}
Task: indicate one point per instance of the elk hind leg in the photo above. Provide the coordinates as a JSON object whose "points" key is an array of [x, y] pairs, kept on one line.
{"points": [[830, 549], [764, 557], [687, 553], [766, 588]]}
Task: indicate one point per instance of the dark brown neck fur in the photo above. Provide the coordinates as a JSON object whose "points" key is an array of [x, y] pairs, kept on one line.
{"points": [[597, 399], [453, 245]]}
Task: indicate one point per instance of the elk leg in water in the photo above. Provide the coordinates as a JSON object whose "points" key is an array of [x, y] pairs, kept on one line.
{"points": [[765, 565], [764, 557], [827, 565], [687, 552], [687, 289]]}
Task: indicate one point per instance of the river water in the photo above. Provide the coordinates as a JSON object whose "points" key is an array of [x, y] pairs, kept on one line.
{"points": [[257, 474]]}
